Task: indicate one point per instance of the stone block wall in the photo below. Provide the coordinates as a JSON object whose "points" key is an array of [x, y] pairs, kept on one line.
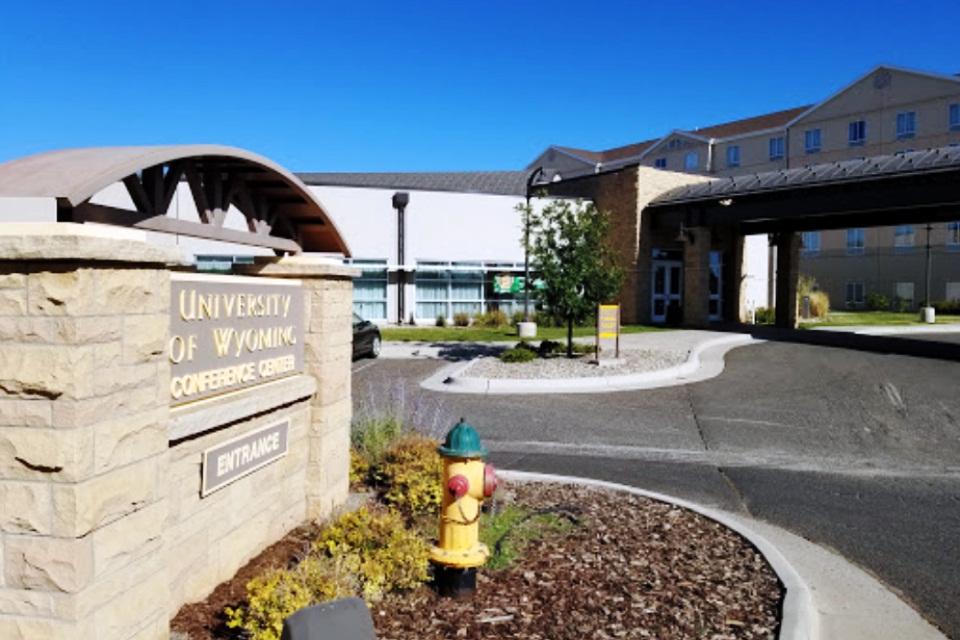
{"points": [[103, 532], [83, 441]]}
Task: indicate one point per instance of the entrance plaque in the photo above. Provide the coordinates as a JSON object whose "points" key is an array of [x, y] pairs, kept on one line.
{"points": [[232, 460]]}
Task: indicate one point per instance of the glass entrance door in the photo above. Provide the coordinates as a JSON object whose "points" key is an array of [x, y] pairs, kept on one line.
{"points": [[667, 290]]}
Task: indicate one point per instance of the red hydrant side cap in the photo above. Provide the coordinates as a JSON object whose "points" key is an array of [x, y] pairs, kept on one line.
{"points": [[490, 480], [458, 485]]}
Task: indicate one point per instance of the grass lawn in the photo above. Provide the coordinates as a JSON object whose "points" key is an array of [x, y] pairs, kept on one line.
{"points": [[873, 318], [481, 334]]}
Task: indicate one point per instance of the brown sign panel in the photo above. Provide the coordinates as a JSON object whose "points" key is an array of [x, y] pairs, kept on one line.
{"points": [[241, 456], [232, 332]]}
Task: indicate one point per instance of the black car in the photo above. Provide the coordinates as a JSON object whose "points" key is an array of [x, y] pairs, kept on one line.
{"points": [[366, 338]]}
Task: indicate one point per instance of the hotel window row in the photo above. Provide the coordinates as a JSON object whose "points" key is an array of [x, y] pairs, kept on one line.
{"points": [[906, 123], [904, 238]]}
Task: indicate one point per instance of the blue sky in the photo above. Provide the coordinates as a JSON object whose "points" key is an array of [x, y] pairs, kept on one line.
{"points": [[433, 85]]}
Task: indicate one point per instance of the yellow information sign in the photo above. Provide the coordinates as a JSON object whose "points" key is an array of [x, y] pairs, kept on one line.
{"points": [[608, 323]]}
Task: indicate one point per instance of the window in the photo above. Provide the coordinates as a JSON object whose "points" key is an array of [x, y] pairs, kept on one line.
{"points": [[733, 155], [858, 133], [776, 148], [955, 117], [906, 125], [811, 242], [854, 294], [811, 140], [445, 288], [953, 235], [660, 163], [904, 237], [370, 289], [691, 160], [674, 144], [953, 291], [903, 292], [855, 241]]}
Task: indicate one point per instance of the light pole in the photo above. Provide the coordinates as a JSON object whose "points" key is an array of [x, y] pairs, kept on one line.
{"points": [[928, 313]]}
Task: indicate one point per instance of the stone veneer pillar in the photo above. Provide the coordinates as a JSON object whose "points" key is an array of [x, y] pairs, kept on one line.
{"points": [[696, 278], [83, 432], [788, 276], [328, 354]]}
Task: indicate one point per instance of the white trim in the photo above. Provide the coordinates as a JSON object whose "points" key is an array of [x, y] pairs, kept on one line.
{"points": [[675, 132]]}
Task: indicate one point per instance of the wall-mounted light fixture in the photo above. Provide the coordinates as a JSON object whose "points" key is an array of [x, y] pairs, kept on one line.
{"points": [[686, 234], [726, 202]]}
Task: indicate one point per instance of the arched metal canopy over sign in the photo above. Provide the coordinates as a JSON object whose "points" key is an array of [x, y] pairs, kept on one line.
{"points": [[281, 212], [903, 188]]}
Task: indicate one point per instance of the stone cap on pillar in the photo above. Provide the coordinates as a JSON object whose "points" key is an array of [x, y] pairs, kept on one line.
{"points": [[38, 241], [297, 266]]}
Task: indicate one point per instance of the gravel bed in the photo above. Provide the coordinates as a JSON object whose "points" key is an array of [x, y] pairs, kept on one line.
{"points": [[630, 361]]}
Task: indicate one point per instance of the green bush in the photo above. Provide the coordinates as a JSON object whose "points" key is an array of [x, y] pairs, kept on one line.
{"points": [[461, 320], [877, 302], [523, 344], [372, 436], [584, 347], [764, 315], [518, 354], [411, 474], [386, 555], [441, 321], [279, 593], [549, 347], [947, 307], [516, 317], [494, 319], [900, 305], [359, 468]]}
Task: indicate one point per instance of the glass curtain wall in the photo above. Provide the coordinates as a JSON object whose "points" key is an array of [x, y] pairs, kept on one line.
{"points": [[448, 288], [370, 289]]}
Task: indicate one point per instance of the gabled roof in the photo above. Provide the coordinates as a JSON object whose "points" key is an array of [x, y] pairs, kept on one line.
{"points": [[505, 183], [773, 120], [583, 154], [859, 79]]}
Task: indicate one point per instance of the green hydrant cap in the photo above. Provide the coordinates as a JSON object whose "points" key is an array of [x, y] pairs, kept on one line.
{"points": [[462, 442]]}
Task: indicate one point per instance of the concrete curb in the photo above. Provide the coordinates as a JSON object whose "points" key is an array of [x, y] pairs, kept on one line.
{"points": [[814, 578], [704, 361]]}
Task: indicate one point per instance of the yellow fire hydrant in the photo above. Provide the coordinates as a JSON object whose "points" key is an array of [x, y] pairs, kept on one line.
{"points": [[466, 482]]}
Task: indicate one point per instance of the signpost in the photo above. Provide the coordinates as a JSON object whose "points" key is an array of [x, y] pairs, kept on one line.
{"points": [[608, 325]]}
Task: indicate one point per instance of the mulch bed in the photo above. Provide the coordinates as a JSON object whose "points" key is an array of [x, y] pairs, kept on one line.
{"points": [[631, 568]]}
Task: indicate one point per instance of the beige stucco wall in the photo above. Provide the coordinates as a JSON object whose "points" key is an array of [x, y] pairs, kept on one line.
{"points": [[103, 532]]}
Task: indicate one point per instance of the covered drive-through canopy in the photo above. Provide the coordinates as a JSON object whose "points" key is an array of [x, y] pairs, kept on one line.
{"points": [[904, 188], [281, 212]]}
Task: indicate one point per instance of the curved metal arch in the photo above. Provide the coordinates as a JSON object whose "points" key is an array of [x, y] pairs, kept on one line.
{"points": [[281, 212]]}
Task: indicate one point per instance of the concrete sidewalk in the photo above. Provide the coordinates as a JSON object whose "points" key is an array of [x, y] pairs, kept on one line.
{"points": [[705, 354]]}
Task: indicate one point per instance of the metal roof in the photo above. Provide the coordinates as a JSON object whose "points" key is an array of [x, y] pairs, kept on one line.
{"points": [[873, 168], [282, 213], [506, 183]]}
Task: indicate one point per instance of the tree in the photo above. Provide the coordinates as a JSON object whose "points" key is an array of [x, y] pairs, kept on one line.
{"points": [[570, 252]]}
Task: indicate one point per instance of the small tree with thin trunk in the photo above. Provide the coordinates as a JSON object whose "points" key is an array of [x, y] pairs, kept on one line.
{"points": [[578, 267]]}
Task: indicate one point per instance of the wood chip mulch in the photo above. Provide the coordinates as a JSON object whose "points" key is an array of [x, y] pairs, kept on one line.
{"points": [[631, 568]]}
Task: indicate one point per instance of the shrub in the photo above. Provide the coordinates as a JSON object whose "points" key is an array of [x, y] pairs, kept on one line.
{"points": [[518, 354], [411, 473], [947, 307], [385, 554], [819, 304], [441, 321], [491, 319], [877, 302], [516, 317], [583, 347], [461, 320], [372, 436], [279, 593], [523, 344], [900, 305], [548, 347], [359, 468], [764, 315]]}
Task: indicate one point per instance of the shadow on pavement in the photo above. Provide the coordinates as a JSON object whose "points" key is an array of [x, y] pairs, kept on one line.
{"points": [[457, 351], [898, 344]]}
